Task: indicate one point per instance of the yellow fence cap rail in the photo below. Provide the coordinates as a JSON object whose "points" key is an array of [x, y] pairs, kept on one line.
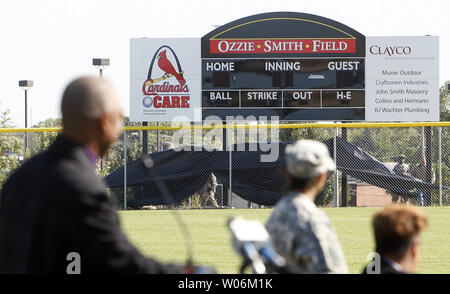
{"points": [[211, 125]]}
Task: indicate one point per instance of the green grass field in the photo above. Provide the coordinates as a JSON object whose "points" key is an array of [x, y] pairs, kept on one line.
{"points": [[156, 234]]}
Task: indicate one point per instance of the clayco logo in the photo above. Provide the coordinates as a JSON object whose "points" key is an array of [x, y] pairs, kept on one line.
{"points": [[165, 86]]}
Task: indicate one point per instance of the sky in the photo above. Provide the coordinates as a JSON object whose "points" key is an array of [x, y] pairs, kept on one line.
{"points": [[52, 42]]}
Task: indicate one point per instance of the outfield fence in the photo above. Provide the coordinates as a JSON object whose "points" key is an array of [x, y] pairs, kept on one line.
{"points": [[385, 143]]}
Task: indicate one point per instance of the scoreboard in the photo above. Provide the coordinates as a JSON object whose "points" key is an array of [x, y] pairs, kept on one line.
{"points": [[296, 66], [291, 88]]}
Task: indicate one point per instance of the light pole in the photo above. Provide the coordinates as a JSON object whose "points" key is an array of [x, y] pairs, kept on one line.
{"points": [[100, 63], [25, 85]]}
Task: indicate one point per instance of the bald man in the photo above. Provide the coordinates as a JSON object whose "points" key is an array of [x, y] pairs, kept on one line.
{"points": [[55, 215]]}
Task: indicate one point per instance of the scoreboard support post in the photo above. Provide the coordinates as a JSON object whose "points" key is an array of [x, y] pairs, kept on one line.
{"points": [[429, 158], [124, 134], [336, 176], [157, 137], [440, 164], [225, 190], [144, 139], [344, 175]]}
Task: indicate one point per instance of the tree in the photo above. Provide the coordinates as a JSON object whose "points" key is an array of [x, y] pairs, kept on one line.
{"points": [[11, 147], [116, 156], [444, 103], [40, 141]]}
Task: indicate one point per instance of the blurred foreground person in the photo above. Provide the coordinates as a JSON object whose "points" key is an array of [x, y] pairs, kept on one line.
{"points": [[300, 232], [55, 208], [397, 235]]}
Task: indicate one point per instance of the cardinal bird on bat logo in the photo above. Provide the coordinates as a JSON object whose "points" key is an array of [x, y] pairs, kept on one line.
{"points": [[165, 65], [165, 86]]}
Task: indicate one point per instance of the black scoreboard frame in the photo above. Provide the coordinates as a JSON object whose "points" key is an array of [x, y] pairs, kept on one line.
{"points": [[266, 64]]}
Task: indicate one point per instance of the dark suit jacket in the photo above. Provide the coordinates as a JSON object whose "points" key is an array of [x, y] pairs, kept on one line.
{"points": [[55, 204], [385, 268]]}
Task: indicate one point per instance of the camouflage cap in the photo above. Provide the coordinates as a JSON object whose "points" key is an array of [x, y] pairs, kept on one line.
{"points": [[308, 158]]}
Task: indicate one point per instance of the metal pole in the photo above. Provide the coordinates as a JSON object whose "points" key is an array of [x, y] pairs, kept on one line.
{"points": [[225, 193], [440, 164], [26, 107], [422, 133], [336, 186], [157, 137], [429, 158], [101, 158], [228, 135], [344, 175], [125, 170], [25, 143], [144, 139], [230, 179]]}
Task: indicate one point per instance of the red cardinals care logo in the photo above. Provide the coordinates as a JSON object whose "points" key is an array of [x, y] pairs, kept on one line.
{"points": [[165, 86]]}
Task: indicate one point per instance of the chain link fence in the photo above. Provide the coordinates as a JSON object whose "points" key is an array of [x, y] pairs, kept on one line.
{"points": [[403, 158]]}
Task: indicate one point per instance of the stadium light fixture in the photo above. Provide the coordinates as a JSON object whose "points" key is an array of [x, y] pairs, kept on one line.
{"points": [[100, 63]]}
